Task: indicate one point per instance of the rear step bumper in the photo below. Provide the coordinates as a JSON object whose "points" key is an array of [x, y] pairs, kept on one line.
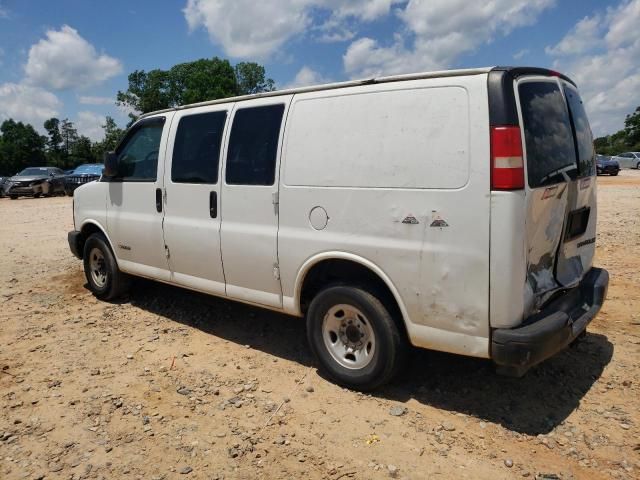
{"points": [[544, 334]]}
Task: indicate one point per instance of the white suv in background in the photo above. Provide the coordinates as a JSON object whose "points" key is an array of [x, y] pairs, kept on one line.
{"points": [[453, 210]]}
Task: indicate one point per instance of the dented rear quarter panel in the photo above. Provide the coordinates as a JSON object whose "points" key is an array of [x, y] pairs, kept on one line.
{"points": [[440, 272]]}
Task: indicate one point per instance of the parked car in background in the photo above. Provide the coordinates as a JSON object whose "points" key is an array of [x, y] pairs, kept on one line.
{"points": [[81, 175], [34, 182], [607, 165], [628, 159], [3, 181]]}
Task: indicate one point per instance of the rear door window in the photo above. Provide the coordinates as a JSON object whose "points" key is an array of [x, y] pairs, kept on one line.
{"points": [[547, 131], [253, 145], [196, 151], [584, 139]]}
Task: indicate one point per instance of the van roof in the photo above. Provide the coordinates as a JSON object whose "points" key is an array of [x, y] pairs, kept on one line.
{"points": [[515, 71]]}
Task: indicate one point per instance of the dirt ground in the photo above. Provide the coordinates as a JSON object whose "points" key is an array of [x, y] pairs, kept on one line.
{"points": [[173, 384]]}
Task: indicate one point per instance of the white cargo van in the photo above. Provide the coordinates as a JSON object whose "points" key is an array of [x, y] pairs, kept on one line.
{"points": [[454, 211]]}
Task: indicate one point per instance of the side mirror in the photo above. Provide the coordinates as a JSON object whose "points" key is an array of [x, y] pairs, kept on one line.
{"points": [[110, 164], [52, 174]]}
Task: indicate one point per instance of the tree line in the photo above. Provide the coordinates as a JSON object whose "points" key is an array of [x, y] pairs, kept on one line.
{"points": [[625, 140], [22, 146]]}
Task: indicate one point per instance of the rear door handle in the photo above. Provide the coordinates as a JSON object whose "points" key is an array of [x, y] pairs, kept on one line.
{"points": [[213, 204], [158, 199]]}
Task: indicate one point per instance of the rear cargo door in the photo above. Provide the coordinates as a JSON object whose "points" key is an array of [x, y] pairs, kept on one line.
{"points": [[560, 192]]}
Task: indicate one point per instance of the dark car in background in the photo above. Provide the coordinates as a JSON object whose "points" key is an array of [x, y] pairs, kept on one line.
{"points": [[606, 165], [3, 182], [34, 182], [81, 175]]}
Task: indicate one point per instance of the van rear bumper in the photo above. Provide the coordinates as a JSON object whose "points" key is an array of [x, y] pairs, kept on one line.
{"points": [[552, 329]]}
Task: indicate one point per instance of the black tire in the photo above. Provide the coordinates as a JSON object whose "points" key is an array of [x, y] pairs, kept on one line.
{"points": [[116, 282], [70, 193], [36, 195], [615, 174], [13, 197], [390, 345], [638, 166]]}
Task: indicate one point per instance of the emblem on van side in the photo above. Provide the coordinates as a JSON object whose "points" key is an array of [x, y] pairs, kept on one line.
{"points": [[124, 247], [438, 221], [410, 220]]}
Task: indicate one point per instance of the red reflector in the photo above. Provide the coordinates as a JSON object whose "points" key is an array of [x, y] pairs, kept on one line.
{"points": [[507, 164]]}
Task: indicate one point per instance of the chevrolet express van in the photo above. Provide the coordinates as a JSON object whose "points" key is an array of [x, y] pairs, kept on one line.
{"points": [[453, 211]]}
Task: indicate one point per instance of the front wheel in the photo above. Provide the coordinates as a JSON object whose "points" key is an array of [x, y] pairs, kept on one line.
{"points": [[105, 280], [354, 338]]}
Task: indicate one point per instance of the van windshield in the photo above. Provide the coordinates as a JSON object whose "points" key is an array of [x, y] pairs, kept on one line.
{"points": [[548, 137]]}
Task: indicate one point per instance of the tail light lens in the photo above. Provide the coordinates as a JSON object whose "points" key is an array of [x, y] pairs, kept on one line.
{"points": [[507, 164]]}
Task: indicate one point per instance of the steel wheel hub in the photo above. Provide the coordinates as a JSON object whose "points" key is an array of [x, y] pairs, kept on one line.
{"points": [[98, 267], [348, 336]]}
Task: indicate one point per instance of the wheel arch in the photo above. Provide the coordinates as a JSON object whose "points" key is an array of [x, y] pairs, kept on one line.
{"points": [[90, 227], [316, 262]]}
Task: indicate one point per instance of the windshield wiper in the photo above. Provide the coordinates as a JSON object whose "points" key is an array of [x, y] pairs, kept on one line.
{"points": [[560, 171]]}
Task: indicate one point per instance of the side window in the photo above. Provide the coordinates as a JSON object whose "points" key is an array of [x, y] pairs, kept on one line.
{"points": [[196, 152], [583, 137], [138, 153], [253, 145]]}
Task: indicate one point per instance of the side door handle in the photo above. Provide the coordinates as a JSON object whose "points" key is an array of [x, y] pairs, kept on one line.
{"points": [[213, 204], [158, 200]]}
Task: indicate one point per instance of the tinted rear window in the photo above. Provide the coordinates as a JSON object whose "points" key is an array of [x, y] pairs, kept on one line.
{"points": [[547, 133], [584, 139]]}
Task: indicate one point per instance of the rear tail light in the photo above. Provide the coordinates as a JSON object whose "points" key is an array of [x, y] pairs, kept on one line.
{"points": [[507, 164]]}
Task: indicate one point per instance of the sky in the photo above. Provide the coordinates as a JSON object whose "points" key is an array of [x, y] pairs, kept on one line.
{"points": [[68, 58]]}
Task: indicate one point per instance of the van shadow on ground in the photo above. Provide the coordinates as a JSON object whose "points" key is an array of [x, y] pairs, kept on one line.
{"points": [[532, 405]]}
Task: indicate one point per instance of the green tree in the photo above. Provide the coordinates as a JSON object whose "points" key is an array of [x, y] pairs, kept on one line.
{"points": [[54, 142], [69, 136], [112, 136], [251, 78], [632, 129], [191, 82], [20, 147], [82, 151], [627, 139]]}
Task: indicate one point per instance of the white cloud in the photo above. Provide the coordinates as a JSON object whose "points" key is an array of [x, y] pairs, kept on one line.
{"points": [[246, 28], [66, 60], [28, 104], [90, 124], [436, 33], [305, 77], [521, 53], [94, 100], [608, 72], [583, 37]]}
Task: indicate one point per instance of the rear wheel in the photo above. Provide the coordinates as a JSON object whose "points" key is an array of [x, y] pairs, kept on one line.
{"points": [[354, 338], [105, 280], [614, 174], [638, 165], [13, 197]]}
